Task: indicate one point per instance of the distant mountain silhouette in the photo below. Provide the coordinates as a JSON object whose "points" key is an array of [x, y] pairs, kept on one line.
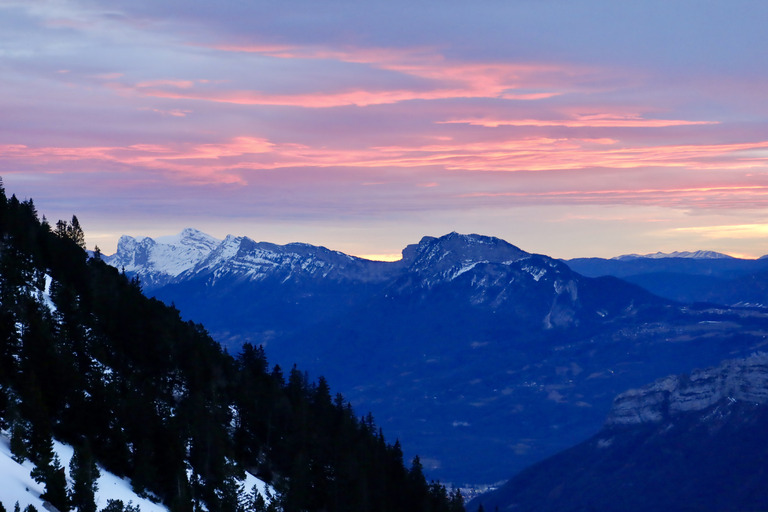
{"points": [[701, 276]]}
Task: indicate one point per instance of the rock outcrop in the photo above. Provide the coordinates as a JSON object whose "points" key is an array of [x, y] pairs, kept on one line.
{"points": [[737, 380]]}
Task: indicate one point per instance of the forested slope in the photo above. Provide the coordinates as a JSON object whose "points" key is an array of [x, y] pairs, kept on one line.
{"points": [[86, 358]]}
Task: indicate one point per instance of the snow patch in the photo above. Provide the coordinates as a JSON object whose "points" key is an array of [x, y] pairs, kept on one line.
{"points": [[535, 272], [466, 268], [47, 294], [17, 485]]}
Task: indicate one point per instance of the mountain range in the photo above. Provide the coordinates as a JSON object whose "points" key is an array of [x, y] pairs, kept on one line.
{"points": [[482, 357], [699, 276]]}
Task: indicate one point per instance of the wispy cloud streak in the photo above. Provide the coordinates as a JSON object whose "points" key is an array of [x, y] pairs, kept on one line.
{"points": [[445, 79]]}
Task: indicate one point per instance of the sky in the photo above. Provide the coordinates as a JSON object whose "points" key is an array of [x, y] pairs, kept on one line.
{"points": [[571, 128]]}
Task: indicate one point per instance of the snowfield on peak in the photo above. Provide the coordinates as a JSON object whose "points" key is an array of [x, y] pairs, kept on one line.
{"points": [[157, 261]]}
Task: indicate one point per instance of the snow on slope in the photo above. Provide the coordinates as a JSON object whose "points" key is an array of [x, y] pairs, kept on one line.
{"points": [[17, 485]]}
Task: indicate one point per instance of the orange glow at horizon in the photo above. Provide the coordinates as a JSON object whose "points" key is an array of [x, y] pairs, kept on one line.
{"points": [[380, 257], [738, 231]]}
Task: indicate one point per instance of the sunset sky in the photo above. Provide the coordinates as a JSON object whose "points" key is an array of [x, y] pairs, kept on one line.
{"points": [[566, 127]]}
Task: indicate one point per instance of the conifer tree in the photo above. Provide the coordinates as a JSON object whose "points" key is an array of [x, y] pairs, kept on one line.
{"points": [[49, 472], [19, 450], [84, 473], [56, 487], [456, 503], [75, 232]]}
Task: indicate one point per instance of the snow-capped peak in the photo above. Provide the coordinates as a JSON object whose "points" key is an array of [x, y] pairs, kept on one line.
{"points": [[157, 260], [189, 237], [676, 254]]}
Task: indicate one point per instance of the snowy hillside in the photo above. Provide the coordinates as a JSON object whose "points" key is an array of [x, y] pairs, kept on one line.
{"points": [[16, 484]]}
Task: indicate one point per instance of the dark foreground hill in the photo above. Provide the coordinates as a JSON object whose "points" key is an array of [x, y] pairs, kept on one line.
{"points": [[695, 442], [87, 359], [483, 357]]}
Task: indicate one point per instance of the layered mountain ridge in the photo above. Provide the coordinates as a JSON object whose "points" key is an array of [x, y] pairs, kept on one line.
{"points": [[708, 255], [700, 276], [481, 357], [492, 263]]}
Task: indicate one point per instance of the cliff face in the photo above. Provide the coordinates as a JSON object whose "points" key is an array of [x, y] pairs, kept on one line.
{"points": [[744, 380], [691, 442]]}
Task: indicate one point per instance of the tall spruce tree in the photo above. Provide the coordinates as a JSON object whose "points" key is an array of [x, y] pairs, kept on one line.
{"points": [[84, 473]]}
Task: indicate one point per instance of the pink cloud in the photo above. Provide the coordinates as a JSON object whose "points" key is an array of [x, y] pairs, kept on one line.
{"points": [[708, 197], [194, 163], [449, 79], [359, 98], [180, 84], [532, 154], [542, 154], [173, 112], [583, 121]]}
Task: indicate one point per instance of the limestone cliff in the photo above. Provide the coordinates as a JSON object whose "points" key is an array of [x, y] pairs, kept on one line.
{"points": [[743, 380]]}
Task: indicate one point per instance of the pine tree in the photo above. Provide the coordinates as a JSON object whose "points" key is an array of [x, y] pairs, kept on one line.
{"points": [[84, 473], [75, 232], [56, 487], [456, 502], [49, 472], [42, 455], [19, 450]]}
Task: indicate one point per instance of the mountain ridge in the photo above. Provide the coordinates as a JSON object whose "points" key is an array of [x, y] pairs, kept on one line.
{"points": [[469, 348], [699, 254]]}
